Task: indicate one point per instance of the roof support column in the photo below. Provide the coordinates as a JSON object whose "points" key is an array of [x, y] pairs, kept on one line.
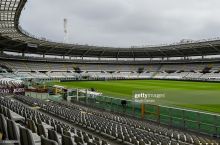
{"points": [[117, 55], [63, 56], [69, 57], [23, 54], [2, 51], [43, 55]]}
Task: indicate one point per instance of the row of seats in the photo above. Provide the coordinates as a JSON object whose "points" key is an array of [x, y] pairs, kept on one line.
{"points": [[40, 129], [124, 129], [9, 82], [118, 75], [178, 135], [52, 66], [50, 70], [49, 66]]}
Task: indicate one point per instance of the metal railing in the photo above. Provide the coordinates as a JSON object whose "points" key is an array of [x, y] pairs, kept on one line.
{"points": [[200, 122]]}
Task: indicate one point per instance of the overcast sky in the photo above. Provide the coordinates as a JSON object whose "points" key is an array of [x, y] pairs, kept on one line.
{"points": [[123, 22]]}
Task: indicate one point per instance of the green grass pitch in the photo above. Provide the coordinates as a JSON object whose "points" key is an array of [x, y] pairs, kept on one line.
{"points": [[203, 96]]}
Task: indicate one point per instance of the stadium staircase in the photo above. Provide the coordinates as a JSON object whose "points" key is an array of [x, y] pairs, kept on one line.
{"points": [[157, 71]]}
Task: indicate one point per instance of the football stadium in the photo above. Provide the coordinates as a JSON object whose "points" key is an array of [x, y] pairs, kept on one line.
{"points": [[60, 93]]}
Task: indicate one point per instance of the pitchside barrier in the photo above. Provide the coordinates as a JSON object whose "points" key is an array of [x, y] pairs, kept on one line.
{"points": [[195, 121], [44, 96]]}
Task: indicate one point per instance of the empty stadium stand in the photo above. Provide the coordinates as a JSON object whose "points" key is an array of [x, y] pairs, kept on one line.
{"points": [[41, 126], [32, 127], [67, 71], [29, 121]]}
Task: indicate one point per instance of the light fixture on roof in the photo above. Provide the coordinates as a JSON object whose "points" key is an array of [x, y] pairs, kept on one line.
{"points": [[65, 30], [32, 45]]}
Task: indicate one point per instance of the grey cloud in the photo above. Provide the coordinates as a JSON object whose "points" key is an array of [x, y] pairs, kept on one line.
{"points": [[123, 22]]}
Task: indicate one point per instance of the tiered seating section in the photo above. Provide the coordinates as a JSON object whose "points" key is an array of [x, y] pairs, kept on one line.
{"points": [[49, 70], [36, 128], [121, 130], [9, 83]]}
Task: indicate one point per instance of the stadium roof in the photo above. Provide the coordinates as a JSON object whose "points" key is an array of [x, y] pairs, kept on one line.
{"points": [[14, 39]]}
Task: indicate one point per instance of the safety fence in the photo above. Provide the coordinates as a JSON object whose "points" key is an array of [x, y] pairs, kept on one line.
{"points": [[44, 96], [196, 121]]}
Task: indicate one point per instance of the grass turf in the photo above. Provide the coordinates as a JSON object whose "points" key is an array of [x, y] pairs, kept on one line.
{"points": [[195, 95]]}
